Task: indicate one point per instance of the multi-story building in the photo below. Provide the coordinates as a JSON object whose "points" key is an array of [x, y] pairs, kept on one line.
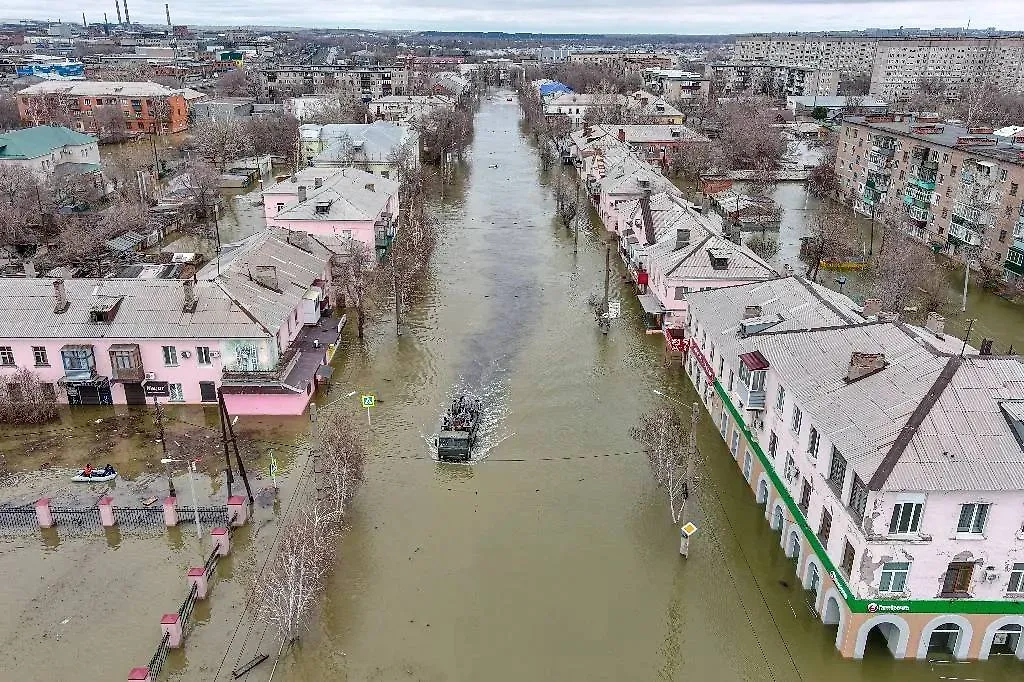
{"points": [[49, 150], [829, 53], [251, 325], [370, 147], [624, 61], [366, 82], [145, 107], [677, 86], [774, 79], [408, 108], [654, 143], [889, 463], [901, 63], [956, 188]]}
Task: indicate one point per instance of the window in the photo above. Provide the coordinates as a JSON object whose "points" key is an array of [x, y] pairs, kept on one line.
{"points": [[848, 556], [906, 518], [812, 443], [957, 581], [1016, 579], [780, 400], [825, 527], [39, 353], [203, 355], [123, 359], [1013, 189], [77, 359], [837, 472], [721, 364], [732, 378], [6, 355], [894, 576], [972, 518], [208, 391], [1002, 173], [177, 395], [858, 498], [805, 497], [280, 207], [798, 417], [170, 356], [735, 447], [773, 444]]}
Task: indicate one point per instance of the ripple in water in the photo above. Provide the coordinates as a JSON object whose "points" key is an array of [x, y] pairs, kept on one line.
{"points": [[493, 396]]}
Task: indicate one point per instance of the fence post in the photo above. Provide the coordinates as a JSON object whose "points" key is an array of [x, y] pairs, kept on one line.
{"points": [[197, 577], [221, 541], [43, 514], [139, 675], [171, 512], [238, 510], [170, 625], [107, 512]]}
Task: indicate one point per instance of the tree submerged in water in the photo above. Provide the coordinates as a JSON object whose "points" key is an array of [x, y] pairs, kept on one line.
{"points": [[764, 245], [27, 399]]}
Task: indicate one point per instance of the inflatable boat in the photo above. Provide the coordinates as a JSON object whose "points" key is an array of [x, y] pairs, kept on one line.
{"points": [[97, 476]]}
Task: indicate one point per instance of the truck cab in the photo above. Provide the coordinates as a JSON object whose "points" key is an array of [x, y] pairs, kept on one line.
{"points": [[454, 446]]}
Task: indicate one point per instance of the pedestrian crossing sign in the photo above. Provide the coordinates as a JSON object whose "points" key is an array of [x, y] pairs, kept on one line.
{"points": [[689, 529], [369, 400]]}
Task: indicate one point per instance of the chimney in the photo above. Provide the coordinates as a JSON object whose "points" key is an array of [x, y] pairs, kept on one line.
{"points": [[60, 296], [318, 182], [751, 311], [682, 238], [863, 364], [935, 323], [30, 269], [117, 5], [888, 316], [302, 193], [622, 134], [369, 186], [872, 306], [266, 275], [188, 286], [986, 347]]}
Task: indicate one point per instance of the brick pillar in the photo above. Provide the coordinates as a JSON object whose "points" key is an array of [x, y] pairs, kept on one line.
{"points": [[139, 675], [107, 512], [43, 514], [197, 577], [170, 624], [221, 541], [238, 510], [171, 512]]}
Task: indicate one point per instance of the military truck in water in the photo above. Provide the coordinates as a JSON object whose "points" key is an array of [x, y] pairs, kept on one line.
{"points": [[458, 429]]}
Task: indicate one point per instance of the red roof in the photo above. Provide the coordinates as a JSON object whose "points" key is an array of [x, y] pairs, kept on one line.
{"points": [[754, 360]]}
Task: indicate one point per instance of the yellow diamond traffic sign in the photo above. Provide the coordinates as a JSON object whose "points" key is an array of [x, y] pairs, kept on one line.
{"points": [[689, 529]]}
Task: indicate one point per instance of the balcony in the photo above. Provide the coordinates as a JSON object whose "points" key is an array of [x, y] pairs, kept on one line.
{"points": [[970, 216], [296, 369], [918, 196], [923, 179], [79, 363], [919, 214], [126, 363]]}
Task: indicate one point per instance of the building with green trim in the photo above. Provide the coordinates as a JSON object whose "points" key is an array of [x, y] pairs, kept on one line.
{"points": [[891, 466]]}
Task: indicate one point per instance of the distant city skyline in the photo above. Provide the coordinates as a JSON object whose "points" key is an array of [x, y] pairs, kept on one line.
{"points": [[546, 16]]}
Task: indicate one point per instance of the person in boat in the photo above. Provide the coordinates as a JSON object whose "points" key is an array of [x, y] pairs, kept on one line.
{"points": [[108, 470], [87, 471]]}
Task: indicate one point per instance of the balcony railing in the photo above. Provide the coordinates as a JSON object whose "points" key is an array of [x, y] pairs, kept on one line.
{"points": [[917, 213], [923, 180], [920, 196]]}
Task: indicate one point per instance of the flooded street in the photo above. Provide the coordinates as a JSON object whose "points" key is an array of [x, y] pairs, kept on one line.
{"points": [[554, 557]]}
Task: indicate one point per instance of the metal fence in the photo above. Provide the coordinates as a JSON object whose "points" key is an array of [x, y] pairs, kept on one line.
{"points": [[156, 663], [208, 515], [82, 518], [185, 610], [18, 518], [139, 516], [211, 562]]}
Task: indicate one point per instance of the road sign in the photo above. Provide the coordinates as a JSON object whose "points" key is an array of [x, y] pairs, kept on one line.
{"points": [[157, 389], [614, 309], [369, 400], [688, 529]]}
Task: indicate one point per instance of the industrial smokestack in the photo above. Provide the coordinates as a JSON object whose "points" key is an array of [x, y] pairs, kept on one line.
{"points": [[84, 25], [106, 24], [167, 8], [117, 4], [127, 19]]}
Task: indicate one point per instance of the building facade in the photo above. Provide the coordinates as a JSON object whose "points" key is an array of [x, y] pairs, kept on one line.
{"points": [[843, 427], [49, 150], [772, 78], [364, 83], [956, 188], [832, 53]]}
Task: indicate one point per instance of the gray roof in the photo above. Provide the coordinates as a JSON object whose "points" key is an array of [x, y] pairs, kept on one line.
{"points": [[834, 102], [345, 191], [1002, 150], [374, 140]]}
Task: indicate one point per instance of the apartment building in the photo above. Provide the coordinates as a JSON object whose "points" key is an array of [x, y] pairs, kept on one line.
{"points": [[366, 82], [901, 63], [146, 107], [775, 79], [624, 61], [829, 53], [677, 86], [956, 188], [890, 465]]}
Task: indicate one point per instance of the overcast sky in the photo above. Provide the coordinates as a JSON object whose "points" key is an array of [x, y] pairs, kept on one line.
{"points": [[550, 16]]}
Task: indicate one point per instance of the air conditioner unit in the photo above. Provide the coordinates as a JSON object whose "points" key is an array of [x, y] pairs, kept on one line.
{"points": [[150, 376], [214, 353], [186, 354]]}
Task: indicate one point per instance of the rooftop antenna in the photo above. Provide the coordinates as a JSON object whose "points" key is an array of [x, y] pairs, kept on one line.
{"points": [[117, 4]]}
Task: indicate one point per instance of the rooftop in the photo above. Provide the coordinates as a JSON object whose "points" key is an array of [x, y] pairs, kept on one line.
{"points": [[999, 148], [31, 143], [108, 88]]}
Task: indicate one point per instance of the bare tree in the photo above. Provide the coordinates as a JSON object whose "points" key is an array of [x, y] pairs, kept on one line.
{"points": [[823, 180], [750, 137], [275, 135], [567, 199], [9, 116], [111, 124], [902, 272], [334, 108], [929, 95], [201, 182], [27, 399], [221, 141], [669, 454], [355, 272], [691, 160], [344, 459], [833, 236]]}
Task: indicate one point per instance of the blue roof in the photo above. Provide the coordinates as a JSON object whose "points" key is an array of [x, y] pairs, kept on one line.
{"points": [[550, 88]]}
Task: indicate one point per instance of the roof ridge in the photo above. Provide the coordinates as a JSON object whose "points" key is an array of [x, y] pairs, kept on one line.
{"points": [[828, 304], [909, 429]]}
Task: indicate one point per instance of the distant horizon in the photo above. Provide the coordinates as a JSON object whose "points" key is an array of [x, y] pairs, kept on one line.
{"points": [[560, 17]]}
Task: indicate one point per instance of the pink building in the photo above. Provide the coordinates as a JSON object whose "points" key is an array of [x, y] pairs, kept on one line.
{"points": [[891, 466], [341, 202], [255, 329]]}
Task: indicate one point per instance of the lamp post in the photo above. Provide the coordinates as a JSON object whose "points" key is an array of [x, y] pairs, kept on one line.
{"points": [[192, 485]]}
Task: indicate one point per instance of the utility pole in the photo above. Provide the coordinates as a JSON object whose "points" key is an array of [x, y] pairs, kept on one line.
{"points": [[967, 278], [227, 454], [233, 441], [970, 326], [690, 455], [163, 446], [606, 321], [314, 452], [398, 294]]}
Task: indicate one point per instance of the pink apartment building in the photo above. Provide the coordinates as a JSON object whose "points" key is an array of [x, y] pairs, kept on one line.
{"points": [[890, 465], [252, 326], [338, 202]]}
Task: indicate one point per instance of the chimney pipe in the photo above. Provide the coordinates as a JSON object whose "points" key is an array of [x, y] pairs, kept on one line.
{"points": [[751, 311], [872, 306], [369, 186], [682, 238], [189, 288], [318, 182], [622, 134], [302, 193], [936, 324], [863, 364], [167, 8], [60, 296]]}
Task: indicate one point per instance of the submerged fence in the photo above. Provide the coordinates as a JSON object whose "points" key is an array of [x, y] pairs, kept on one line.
{"points": [[77, 520]]}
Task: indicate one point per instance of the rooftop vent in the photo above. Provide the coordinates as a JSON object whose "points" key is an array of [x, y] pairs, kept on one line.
{"points": [[682, 238], [719, 259], [104, 309], [872, 306], [755, 325], [751, 311], [864, 364], [60, 296], [323, 207]]}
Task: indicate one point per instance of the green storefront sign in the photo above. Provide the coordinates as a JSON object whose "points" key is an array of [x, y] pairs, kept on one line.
{"points": [[858, 605]]}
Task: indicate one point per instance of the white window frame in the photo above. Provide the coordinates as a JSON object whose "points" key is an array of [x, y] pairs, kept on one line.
{"points": [[976, 507], [780, 400], [797, 421], [177, 393], [170, 356], [1016, 582], [891, 572], [813, 443], [203, 355]]}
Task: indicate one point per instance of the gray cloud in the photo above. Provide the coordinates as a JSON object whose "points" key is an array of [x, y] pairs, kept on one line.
{"points": [[552, 16]]}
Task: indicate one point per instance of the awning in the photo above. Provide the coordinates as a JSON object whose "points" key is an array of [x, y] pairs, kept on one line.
{"points": [[754, 361], [651, 304]]}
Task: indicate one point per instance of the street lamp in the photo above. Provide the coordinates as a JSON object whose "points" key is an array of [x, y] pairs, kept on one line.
{"points": [[191, 484]]}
